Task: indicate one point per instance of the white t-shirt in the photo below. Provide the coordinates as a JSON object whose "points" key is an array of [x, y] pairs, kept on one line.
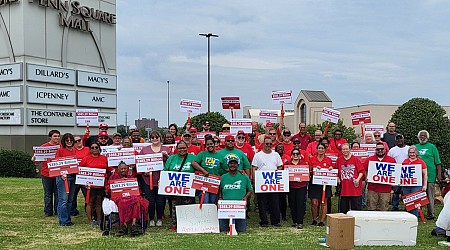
{"points": [[264, 161], [399, 154]]}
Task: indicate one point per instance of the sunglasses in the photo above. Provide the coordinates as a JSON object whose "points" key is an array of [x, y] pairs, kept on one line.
{"points": [[155, 137], [103, 138], [77, 141], [216, 141], [379, 149], [94, 147], [268, 144], [69, 140], [287, 134], [296, 142], [272, 133], [337, 134], [241, 137], [225, 128], [377, 135], [230, 140], [296, 153]]}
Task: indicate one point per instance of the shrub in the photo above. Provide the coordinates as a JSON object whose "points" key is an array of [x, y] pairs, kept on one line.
{"points": [[14, 163]]}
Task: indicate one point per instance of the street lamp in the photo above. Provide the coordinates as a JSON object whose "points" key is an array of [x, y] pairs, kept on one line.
{"points": [[168, 120], [139, 109], [209, 69]]}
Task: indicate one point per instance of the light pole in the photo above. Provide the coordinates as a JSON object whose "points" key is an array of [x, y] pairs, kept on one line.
{"points": [[139, 109], [168, 96], [209, 35]]}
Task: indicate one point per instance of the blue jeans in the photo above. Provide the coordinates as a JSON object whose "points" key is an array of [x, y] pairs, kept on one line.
{"points": [[65, 199], [240, 224], [50, 203], [408, 190], [364, 201], [396, 196], [210, 198]]}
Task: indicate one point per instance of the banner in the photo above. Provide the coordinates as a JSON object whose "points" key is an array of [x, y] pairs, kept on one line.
{"points": [[268, 116], [114, 158], [281, 96], [208, 184], [241, 124], [411, 175], [333, 157], [231, 209], [373, 128], [231, 102], [86, 116], [63, 165], [124, 187], [190, 106], [370, 148], [138, 146], [324, 176], [271, 181], [91, 176], [45, 153], [176, 183], [330, 115], [383, 173], [192, 220], [109, 149], [298, 173], [361, 117], [149, 163], [361, 154], [415, 200]]}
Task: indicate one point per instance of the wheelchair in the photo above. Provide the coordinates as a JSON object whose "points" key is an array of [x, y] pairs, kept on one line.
{"points": [[111, 217]]}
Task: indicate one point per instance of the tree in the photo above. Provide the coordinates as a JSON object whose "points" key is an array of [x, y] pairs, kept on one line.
{"points": [[216, 120], [424, 114], [348, 132]]}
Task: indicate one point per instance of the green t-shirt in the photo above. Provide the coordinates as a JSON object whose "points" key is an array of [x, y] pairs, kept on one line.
{"points": [[209, 161], [244, 164], [174, 163], [430, 155], [235, 187]]}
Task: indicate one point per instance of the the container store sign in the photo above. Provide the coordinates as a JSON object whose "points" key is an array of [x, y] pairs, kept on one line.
{"points": [[45, 117]]}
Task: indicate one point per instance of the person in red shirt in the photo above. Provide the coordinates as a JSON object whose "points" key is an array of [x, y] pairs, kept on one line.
{"points": [[337, 142], [297, 192], [311, 149], [173, 129], [244, 146], [378, 195], [350, 173], [303, 136], [285, 159], [287, 143], [192, 149], [272, 135], [94, 160], [80, 151]]}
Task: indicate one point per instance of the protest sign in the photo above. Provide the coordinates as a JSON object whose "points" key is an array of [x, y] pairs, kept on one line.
{"points": [[109, 149], [268, 116], [361, 117], [231, 209], [172, 147], [149, 163], [231, 102], [330, 115], [333, 157], [222, 136], [369, 147], [201, 136], [281, 96], [192, 220], [190, 106], [114, 158], [324, 176], [63, 165], [45, 153], [241, 124], [361, 154], [138, 146], [271, 181], [383, 173], [374, 128], [411, 175], [124, 187], [415, 200], [176, 183], [86, 116], [90, 176], [298, 173], [208, 184]]}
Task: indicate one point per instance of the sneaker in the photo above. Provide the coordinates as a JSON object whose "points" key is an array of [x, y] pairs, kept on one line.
{"points": [[159, 223], [294, 225], [135, 230], [300, 226], [48, 215], [429, 217], [314, 222], [122, 232], [68, 224], [320, 224], [277, 225], [173, 228], [94, 223], [152, 223]]}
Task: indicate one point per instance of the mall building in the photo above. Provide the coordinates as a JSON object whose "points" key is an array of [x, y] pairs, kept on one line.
{"points": [[56, 57]]}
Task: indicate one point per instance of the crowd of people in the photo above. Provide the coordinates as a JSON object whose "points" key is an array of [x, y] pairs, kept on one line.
{"points": [[235, 157]]}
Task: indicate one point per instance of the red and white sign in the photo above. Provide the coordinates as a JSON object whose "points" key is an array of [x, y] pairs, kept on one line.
{"points": [[91, 176], [333, 157], [149, 163], [240, 124], [222, 136], [190, 106], [281, 96], [268, 116], [124, 187], [415, 200], [114, 158], [208, 184], [109, 149], [172, 147], [138, 146], [87, 116], [63, 165], [369, 147], [324, 176], [271, 181], [361, 154], [231, 102], [411, 175], [45, 153], [231, 209], [361, 117], [201, 136], [330, 115], [383, 173], [298, 173], [176, 183], [374, 128]]}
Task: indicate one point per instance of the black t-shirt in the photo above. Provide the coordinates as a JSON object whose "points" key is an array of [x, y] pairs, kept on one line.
{"points": [[390, 139]]}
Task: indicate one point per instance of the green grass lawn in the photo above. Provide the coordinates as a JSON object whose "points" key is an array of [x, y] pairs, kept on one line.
{"points": [[22, 225]]}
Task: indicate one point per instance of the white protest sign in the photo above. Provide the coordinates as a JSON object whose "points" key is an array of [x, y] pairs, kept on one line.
{"points": [[114, 158], [87, 116], [240, 124], [176, 183], [231, 209], [324, 176], [268, 116], [271, 181], [44, 153], [190, 106], [383, 173], [192, 220], [281, 96], [149, 163], [369, 147], [109, 149], [330, 115], [374, 128], [411, 175], [138, 146], [90, 176]]}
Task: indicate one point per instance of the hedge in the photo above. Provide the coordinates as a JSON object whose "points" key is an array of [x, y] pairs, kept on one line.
{"points": [[14, 163]]}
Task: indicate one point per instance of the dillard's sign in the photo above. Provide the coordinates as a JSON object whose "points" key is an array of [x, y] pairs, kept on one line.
{"points": [[74, 15]]}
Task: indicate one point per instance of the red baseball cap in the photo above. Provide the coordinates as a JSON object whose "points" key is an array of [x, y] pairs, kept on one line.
{"points": [[241, 132], [102, 134], [103, 125], [229, 137], [269, 124], [193, 130]]}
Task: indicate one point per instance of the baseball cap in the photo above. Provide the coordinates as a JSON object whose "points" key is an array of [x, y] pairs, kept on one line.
{"points": [[103, 125], [232, 157], [269, 124], [286, 132], [226, 125], [117, 134], [241, 132], [102, 134], [187, 134], [193, 130], [399, 136], [206, 123], [229, 137], [133, 127]]}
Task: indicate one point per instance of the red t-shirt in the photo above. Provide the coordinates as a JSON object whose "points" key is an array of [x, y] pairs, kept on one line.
{"points": [[380, 188], [248, 151], [311, 149], [90, 161], [81, 153], [336, 145], [304, 140], [64, 152], [288, 147], [348, 170], [415, 162], [192, 149], [44, 168], [325, 163]]}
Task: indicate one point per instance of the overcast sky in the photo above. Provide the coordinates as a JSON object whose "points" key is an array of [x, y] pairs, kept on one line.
{"points": [[358, 52]]}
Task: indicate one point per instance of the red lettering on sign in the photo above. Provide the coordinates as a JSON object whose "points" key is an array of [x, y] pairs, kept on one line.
{"points": [[272, 187], [176, 190], [386, 179]]}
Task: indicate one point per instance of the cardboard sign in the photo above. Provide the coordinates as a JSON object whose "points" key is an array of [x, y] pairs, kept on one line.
{"points": [[222, 136], [138, 146], [415, 200], [330, 115], [241, 124], [208, 184], [87, 116], [411, 175], [63, 165], [370, 148], [176, 183], [324, 176], [45, 153], [361, 117], [281, 96], [374, 128], [91, 176], [109, 149], [361, 154], [201, 136], [192, 220], [190, 106], [231, 209], [383, 173], [124, 187], [114, 158], [298, 173], [149, 163], [231, 102], [271, 181], [333, 157], [268, 116]]}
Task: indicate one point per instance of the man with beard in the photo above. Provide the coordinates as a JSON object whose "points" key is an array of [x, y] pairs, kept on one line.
{"points": [[103, 139]]}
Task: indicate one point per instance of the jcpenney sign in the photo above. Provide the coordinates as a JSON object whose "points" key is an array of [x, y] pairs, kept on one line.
{"points": [[51, 96]]}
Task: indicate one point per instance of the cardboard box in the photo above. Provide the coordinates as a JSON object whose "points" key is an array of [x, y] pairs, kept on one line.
{"points": [[340, 231]]}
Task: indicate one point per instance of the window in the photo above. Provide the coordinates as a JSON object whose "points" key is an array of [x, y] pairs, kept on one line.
{"points": [[303, 113]]}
